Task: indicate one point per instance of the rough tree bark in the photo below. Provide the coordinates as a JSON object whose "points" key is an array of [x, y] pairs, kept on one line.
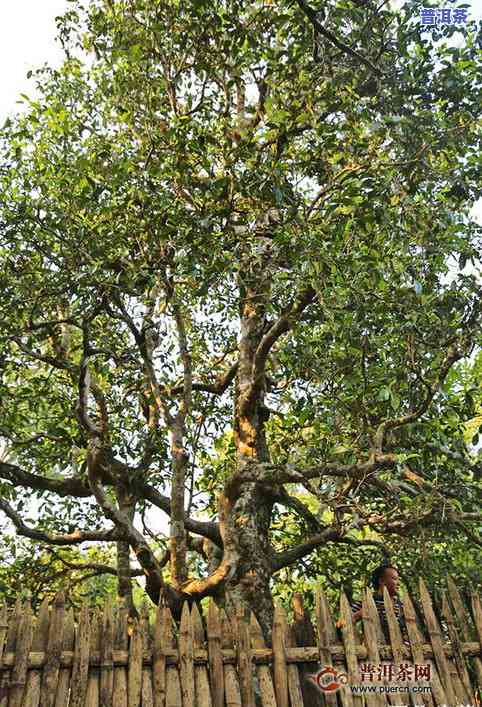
{"points": [[127, 505], [250, 503]]}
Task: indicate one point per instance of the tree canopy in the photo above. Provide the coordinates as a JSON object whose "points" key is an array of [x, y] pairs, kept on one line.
{"points": [[240, 287]]}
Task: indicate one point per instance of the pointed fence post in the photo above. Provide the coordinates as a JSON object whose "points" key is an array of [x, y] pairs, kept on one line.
{"points": [[121, 644], [464, 621], [39, 643], [201, 677], [54, 650], [65, 675], [349, 641], [80, 667], [93, 682], [462, 680], [294, 684], [304, 635], [231, 683], [279, 657], [477, 614], [147, 698], [326, 634], [398, 649], [186, 657], [372, 631], [323, 640], [245, 667], [159, 655], [436, 641], [173, 685], [416, 646], [22, 650], [12, 631], [134, 674], [216, 670], [107, 664], [263, 672]]}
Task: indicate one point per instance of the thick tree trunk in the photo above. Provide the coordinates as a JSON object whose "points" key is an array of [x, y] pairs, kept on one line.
{"points": [[251, 514], [251, 504]]}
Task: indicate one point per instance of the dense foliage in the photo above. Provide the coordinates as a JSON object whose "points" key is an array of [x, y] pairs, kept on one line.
{"points": [[240, 288]]}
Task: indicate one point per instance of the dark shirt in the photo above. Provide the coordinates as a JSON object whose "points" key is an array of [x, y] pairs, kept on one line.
{"points": [[380, 604]]}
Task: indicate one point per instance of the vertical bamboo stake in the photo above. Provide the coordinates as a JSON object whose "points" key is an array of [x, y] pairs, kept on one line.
{"points": [[39, 644], [323, 639], [463, 617], [279, 658], [372, 631], [65, 675], [121, 643], [173, 685], [398, 649], [462, 681], [19, 672], [12, 631], [304, 635], [201, 677], [159, 655], [477, 614], [416, 646], [80, 667], [93, 680], [216, 671], [134, 676], [54, 650], [186, 658], [147, 697], [348, 634], [268, 697], [331, 638], [436, 641], [245, 668], [107, 665], [231, 684], [294, 685]]}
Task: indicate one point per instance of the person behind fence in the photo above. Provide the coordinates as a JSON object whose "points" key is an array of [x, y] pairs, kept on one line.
{"points": [[383, 576]]}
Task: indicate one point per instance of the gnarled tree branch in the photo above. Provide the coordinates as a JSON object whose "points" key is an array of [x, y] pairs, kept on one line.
{"points": [[74, 538]]}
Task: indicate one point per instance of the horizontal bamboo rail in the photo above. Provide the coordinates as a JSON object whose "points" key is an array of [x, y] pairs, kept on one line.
{"points": [[306, 654]]}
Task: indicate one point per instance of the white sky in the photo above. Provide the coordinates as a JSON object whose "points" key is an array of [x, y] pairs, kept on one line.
{"points": [[27, 41]]}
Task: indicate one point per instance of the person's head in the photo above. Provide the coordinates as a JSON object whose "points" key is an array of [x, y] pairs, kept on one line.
{"points": [[385, 576]]}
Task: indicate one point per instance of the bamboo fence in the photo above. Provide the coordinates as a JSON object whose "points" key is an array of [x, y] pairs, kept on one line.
{"points": [[105, 659]]}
